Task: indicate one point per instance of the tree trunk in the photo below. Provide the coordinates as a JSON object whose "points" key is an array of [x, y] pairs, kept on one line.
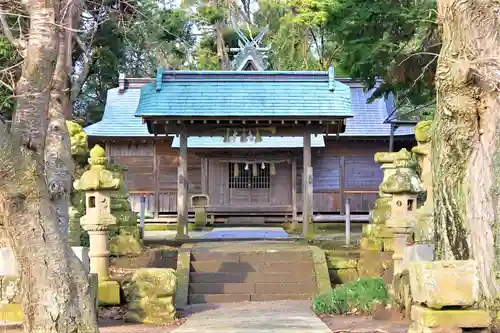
{"points": [[58, 161], [466, 146], [55, 289]]}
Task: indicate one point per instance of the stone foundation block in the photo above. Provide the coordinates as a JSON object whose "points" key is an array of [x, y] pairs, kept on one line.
{"points": [[371, 244], [389, 244], [151, 296], [376, 230], [417, 328], [467, 318], [416, 253], [109, 292], [444, 283], [11, 313]]}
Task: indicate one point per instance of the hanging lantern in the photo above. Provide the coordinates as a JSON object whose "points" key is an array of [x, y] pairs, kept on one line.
{"points": [[255, 170], [226, 136], [272, 169], [258, 138], [236, 170], [246, 167], [250, 137], [263, 166], [243, 137], [235, 135]]}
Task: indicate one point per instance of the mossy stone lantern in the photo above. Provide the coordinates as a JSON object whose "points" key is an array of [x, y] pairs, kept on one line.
{"points": [[404, 186], [97, 183]]}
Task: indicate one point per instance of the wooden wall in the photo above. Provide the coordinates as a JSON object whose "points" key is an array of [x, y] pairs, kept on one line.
{"points": [[342, 170]]}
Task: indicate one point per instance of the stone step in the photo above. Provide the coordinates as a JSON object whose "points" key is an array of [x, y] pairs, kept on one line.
{"points": [[252, 277], [233, 298], [282, 288], [275, 267], [251, 256]]}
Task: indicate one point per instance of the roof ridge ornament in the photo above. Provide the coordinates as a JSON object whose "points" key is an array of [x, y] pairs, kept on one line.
{"points": [[121, 83], [249, 53], [331, 78], [159, 78]]}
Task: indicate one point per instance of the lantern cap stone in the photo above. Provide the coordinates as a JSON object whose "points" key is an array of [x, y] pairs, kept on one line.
{"points": [[384, 157], [402, 182], [98, 177]]}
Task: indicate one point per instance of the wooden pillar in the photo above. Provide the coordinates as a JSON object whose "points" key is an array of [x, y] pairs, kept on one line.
{"points": [[204, 175], [342, 185], [156, 185], [182, 191], [307, 200], [294, 189], [391, 138]]}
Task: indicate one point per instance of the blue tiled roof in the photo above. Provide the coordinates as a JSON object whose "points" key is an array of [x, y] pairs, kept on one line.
{"points": [[119, 119], [245, 94], [267, 142]]}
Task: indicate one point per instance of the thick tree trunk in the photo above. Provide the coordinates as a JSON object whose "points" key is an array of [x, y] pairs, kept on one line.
{"points": [[55, 289], [56, 294], [58, 161], [466, 146]]}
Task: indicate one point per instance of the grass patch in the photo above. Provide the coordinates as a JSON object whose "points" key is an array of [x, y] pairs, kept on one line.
{"points": [[360, 295]]}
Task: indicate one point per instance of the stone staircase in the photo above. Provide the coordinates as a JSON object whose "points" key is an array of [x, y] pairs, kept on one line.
{"points": [[246, 273]]}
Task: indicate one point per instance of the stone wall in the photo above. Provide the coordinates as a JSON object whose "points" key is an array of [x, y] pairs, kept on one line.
{"points": [[345, 265]]}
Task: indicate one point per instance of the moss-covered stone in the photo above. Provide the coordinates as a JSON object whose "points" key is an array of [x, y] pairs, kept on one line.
{"points": [[444, 283], [465, 318], [372, 244], [417, 328], [341, 276], [11, 313], [109, 292], [381, 211], [151, 296], [340, 263], [423, 131], [126, 241]]}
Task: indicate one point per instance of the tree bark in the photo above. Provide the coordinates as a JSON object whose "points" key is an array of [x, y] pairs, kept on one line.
{"points": [[55, 289], [466, 146], [58, 160]]}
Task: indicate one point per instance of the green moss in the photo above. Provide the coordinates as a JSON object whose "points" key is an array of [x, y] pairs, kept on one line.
{"points": [[361, 295], [423, 131]]}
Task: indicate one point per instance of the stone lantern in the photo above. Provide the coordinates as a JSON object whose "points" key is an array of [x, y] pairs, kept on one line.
{"points": [[97, 183], [404, 186]]}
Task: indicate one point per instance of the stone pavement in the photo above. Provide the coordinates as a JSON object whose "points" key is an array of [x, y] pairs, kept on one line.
{"points": [[224, 233], [254, 317]]}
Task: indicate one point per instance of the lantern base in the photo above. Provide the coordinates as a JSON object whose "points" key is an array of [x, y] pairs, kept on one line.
{"points": [[109, 292]]}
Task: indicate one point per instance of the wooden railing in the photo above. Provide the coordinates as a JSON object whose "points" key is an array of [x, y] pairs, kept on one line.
{"points": [[361, 201]]}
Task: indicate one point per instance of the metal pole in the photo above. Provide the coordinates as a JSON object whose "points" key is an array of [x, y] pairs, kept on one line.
{"points": [[347, 222], [142, 216]]}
